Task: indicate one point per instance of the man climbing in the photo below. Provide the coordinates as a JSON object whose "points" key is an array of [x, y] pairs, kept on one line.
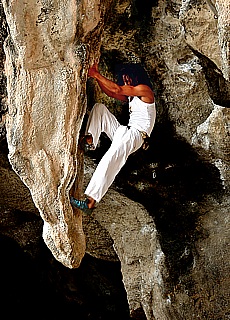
{"points": [[125, 139]]}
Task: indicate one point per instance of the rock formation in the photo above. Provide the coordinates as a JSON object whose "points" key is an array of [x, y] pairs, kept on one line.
{"points": [[166, 218], [46, 56]]}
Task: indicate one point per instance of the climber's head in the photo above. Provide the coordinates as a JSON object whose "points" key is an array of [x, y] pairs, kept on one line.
{"points": [[132, 74]]}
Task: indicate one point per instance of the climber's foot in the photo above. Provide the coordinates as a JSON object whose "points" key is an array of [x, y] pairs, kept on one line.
{"points": [[82, 205], [86, 143]]}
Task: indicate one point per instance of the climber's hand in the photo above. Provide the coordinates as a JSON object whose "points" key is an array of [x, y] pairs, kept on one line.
{"points": [[93, 70]]}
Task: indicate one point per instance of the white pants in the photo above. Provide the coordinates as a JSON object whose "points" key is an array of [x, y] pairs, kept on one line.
{"points": [[124, 142]]}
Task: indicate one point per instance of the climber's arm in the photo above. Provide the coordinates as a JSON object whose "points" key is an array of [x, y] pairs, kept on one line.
{"points": [[107, 86], [121, 92], [110, 93]]}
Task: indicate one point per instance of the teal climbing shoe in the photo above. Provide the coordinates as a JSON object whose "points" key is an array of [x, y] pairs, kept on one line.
{"points": [[82, 205]]}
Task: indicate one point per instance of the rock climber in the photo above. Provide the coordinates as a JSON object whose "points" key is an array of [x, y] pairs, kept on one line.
{"points": [[125, 139]]}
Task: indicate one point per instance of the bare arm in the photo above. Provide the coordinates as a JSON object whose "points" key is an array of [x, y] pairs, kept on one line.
{"points": [[111, 93], [121, 92], [107, 86]]}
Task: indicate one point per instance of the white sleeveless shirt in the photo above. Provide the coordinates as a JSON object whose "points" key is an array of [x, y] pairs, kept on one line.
{"points": [[142, 115]]}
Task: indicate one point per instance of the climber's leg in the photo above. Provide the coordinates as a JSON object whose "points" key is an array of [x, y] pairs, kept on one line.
{"points": [[125, 142], [101, 120]]}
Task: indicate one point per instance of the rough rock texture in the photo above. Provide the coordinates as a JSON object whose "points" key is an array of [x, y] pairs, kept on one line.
{"points": [[181, 44], [45, 56], [167, 216], [223, 10], [3, 107], [137, 246]]}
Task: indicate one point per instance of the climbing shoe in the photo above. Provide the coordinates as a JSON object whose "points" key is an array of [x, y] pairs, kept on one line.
{"points": [[84, 145], [82, 205]]}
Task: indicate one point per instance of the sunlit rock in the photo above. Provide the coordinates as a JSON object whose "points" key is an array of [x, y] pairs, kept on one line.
{"points": [[46, 103]]}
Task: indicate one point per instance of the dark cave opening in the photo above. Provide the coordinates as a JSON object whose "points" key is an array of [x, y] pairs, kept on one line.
{"points": [[43, 287]]}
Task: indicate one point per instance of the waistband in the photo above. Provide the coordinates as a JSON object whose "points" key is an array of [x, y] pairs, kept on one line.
{"points": [[143, 133]]}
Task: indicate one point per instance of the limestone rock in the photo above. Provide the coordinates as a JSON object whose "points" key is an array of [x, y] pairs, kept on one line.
{"points": [[136, 243], [213, 136], [197, 21], [169, 271], [137, 246], [46, 102], [223, 9]]}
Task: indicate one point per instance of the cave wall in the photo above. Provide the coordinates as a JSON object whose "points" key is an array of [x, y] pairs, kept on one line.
{"points": [[181, 45], [184, 45]]}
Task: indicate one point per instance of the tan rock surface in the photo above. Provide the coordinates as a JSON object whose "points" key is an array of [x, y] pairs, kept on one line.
{"points": [[46, 100], [223, 9]]}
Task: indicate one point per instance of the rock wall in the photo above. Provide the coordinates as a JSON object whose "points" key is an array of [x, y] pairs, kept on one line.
{"points": [[47, 54], [173, 251], [182, 46], [136, 243]]}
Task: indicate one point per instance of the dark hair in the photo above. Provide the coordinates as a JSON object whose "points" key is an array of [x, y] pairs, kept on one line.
{"points": [[135, 71]]}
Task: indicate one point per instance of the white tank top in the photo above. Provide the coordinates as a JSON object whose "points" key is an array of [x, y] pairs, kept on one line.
{"points": [[142, 115]]}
